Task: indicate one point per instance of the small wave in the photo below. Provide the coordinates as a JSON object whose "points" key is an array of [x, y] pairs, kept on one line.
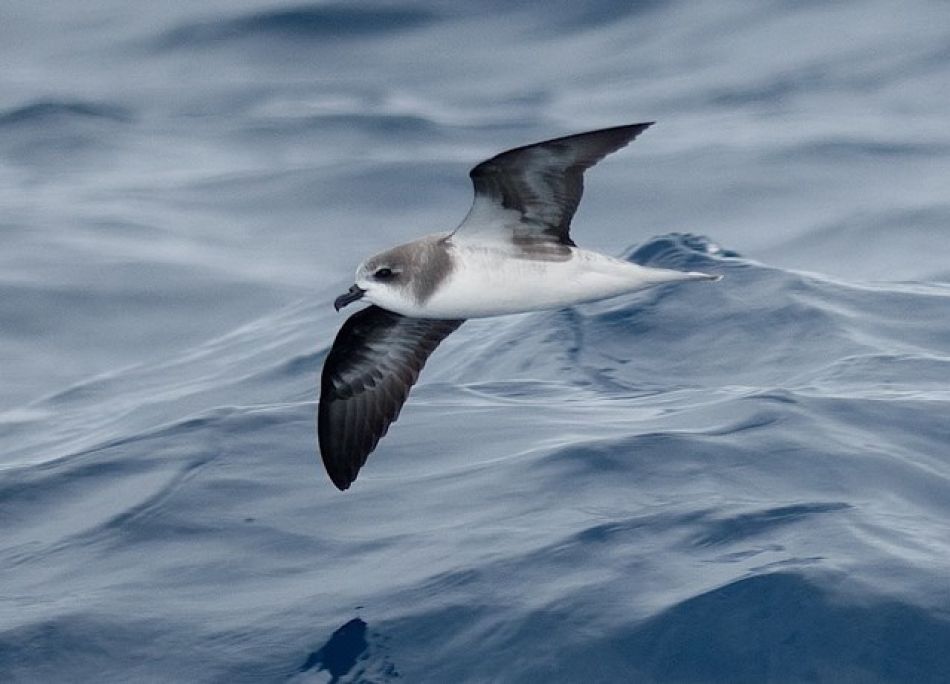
{"points": [[740, 527], [47, 112], [838, 151], [566, 15], [383, 124], [304, 22], [873, 238], [681, 251]]}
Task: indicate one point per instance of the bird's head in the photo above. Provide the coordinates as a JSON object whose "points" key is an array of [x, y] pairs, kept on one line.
{"points": [[383, 280]]}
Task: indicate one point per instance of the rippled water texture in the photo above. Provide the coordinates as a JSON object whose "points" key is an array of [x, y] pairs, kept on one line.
{"points": [[745, 481]]}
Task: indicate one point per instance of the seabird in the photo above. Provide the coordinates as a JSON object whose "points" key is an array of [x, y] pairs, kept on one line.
{"points": [[512, 253]]}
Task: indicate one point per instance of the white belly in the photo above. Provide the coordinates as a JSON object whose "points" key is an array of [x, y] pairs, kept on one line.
{"points": [[487, 282]]}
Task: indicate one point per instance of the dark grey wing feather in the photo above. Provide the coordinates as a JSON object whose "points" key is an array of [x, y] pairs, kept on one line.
{"points": [[543, 182], [374, 361]]}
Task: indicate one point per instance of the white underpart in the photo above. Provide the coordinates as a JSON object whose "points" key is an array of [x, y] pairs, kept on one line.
{"points": [[489, 281]]}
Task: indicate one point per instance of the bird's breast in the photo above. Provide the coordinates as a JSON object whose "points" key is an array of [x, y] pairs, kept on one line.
{"points": [[489, 282]]}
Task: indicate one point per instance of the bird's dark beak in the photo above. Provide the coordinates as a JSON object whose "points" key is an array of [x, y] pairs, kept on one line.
{"points": [[354, 293]]}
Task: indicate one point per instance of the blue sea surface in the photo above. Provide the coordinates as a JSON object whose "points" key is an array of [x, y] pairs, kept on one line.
{"points": [[746, 481]]}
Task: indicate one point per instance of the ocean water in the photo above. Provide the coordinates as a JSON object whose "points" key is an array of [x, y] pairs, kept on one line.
{"points": [[746, 481]]}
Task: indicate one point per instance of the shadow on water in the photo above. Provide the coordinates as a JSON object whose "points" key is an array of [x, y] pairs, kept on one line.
{"points": [[346, 647]]}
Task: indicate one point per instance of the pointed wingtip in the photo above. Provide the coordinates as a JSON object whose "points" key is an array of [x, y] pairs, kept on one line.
{"points": [[341, 473], [634, 130], [340, 481]]}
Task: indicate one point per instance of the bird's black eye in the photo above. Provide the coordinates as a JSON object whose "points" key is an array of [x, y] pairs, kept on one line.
{"points": [[383, 274]]}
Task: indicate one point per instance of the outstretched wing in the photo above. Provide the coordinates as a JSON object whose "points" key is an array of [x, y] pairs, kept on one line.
{"points": [[375, 359], [528, 195]]}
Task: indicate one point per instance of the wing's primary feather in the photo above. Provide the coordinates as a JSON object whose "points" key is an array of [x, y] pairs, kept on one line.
{"points": [[374, 361], [529, 194]]}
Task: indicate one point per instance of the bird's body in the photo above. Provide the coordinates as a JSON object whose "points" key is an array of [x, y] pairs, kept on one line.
{"points": [[484, 280], [513, 253]]}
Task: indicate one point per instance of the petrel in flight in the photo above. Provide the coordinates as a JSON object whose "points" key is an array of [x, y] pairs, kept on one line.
{"points": [[512, 253]]}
